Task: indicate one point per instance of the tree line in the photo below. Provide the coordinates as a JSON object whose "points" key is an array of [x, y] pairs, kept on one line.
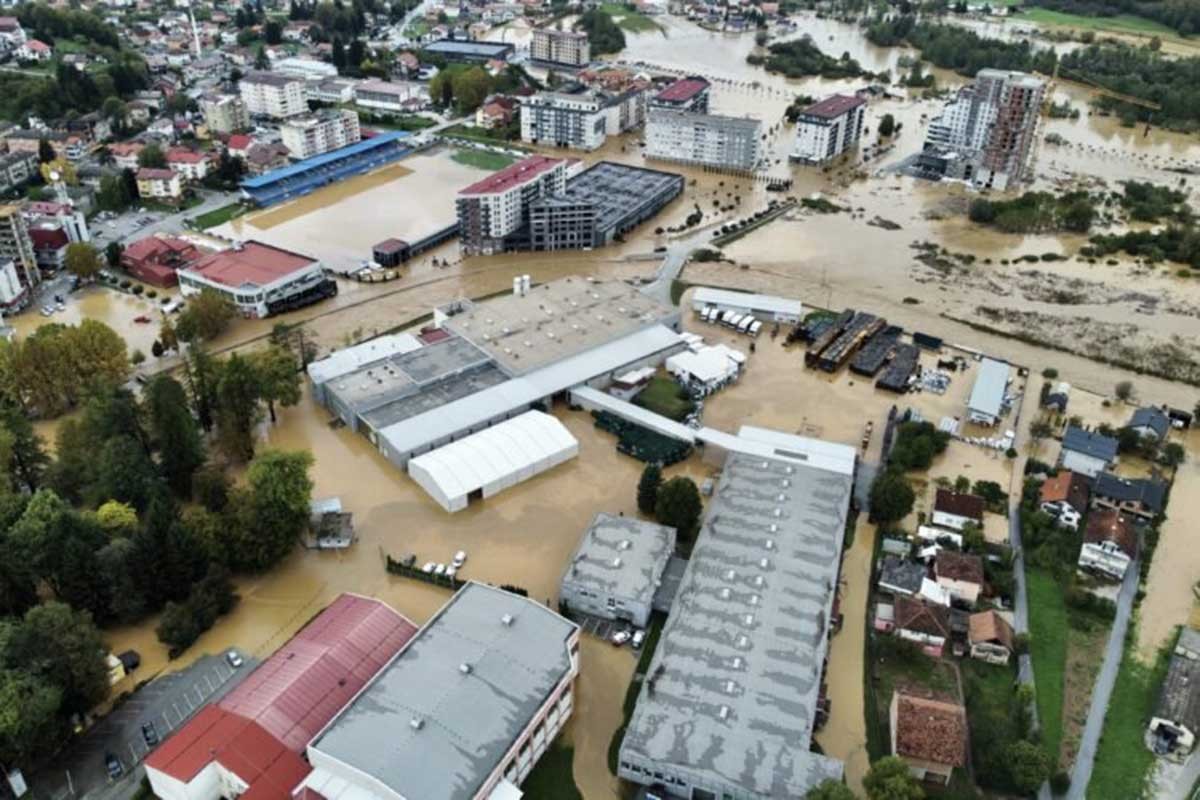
{"points": [[1182, 16], [801, 58], [604, 35]]}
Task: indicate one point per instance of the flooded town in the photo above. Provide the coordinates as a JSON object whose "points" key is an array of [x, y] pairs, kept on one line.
{"points": [[423, 401]]}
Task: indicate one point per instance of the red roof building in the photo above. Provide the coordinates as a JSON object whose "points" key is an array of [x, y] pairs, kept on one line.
{"points": [[155, 259], [518, 174], [49, 246], [834, 106], [250, 264], [251, 743], [685, 94]]}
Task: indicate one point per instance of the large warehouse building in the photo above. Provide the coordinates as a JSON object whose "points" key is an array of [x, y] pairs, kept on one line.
{"points": [[251, 743], [463, 713], [485, 363], [732, 694]]}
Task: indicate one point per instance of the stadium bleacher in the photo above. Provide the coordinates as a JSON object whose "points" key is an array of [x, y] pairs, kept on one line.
{"points": [[296, 180]]}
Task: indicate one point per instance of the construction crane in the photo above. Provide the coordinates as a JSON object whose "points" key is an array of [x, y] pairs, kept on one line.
{"points": [[1103, 91]]}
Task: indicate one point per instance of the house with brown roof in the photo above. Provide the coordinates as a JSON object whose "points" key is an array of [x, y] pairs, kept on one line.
{"points": [[924, 624], [1110, 543], [961, 574], [155, 259], [957, 510], [1065, 497], [930, 735], [990, 637]]}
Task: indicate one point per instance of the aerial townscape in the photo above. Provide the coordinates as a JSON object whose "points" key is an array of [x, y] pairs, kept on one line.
{"points": [[599, 399]]}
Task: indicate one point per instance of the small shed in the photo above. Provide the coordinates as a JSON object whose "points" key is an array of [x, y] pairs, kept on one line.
{"points": [[331, 527], [390, 252], [986, 403]]}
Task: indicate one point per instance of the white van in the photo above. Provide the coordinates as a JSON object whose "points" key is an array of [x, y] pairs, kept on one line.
{"points": [[744, 325], [755, 328], [175, 305]]}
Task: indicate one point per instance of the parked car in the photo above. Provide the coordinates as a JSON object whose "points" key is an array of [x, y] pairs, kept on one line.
{"points": [[451, 571], [428, 568], [620, 637], [439, 570], [149, 734], [113, 765], [460, 558], [233, 659], [638, 638]]}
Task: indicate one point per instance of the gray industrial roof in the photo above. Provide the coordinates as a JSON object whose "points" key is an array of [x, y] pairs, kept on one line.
{"points": [[349, 359], [468, 717], [987, 395], [1179, 697], [1090, 443], [732, 690], [621, 557], [619, 192], [751, 302], [451, 47]]}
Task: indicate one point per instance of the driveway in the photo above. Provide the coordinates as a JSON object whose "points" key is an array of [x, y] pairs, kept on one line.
{"points": [[1082, 772], [165, 702]]}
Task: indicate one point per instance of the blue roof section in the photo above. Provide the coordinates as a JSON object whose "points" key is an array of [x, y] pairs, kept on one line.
{"points": [[1096, 445], [301, 167], [1153, 418]]}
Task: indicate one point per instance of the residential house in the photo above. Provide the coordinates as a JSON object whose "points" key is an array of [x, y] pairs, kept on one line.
{"points": [[1143, 498], [1150, 423], [930, 735], [1058, 397], [34, 50], [264, 157], [139, 112], [125, 154], [961, 574], [49, 247], [1110, 544], [901, 576], [1065, 497], [1176, 719], [155, 259], [990, 637], [1087, 452], [239, 145], [957, 510], [159, 184], [188, 164], [496, 112], [924, 624], [12, 35]]}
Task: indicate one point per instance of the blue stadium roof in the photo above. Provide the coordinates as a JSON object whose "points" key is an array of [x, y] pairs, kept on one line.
{"points": [[301, 167]]}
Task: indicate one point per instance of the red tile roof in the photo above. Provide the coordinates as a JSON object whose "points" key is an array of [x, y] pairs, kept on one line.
{"points": [[683, 90], [961, 505], [254, 263], [259, 730], [930, 730], [185, 156], [516, 174], [1066, 486], [48, 238], [988, 626], [834, 106], [240, 141], [915, 615], [153, 174]]}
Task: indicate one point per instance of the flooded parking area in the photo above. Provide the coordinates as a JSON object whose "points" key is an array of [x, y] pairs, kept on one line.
{"points": [[338, 224]]}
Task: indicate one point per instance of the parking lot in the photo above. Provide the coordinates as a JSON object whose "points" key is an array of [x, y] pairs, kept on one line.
{"points": [[166, 703]]}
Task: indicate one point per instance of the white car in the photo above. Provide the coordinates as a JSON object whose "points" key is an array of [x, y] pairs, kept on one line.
{"points": [[451, 571], [460, 558], [638, 638], [428, 568], [234, 660], [440, 569], [619, 638]]}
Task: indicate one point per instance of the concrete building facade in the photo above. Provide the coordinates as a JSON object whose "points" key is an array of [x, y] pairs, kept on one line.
{"points": [[267, 94], [16, 244], [566, 48], [313, 134], [829, 128], [259, 279], [225, 113], [725, 143], [580, 118], [493, 209]]}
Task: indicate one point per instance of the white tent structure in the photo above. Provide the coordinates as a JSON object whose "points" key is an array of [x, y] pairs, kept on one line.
{"points": [[492, 460], [708, 366]]}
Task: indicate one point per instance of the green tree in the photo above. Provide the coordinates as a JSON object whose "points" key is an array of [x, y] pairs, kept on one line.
{"points": [[260, 58], [1124, 390], [830, 790], [30, 724], [112, 254], [647, 490], [891, 497], [1173, 454], [237, 396], [471, 88], [176, 433], [124, 472], [604, 35], [203, 375], [1028, 765], [277, 507], [27, 458], [887, 126], [62, 647], [278, 377], [679, 506], [152, 156], [167, 335], [83, 260], [117, 562], [117, 519], [210, 487], [206, 317], [273, 32], [46, 152], [889, 779]]}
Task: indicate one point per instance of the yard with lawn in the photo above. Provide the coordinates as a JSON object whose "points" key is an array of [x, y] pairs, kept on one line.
{"points": [[1122, 759], [482, 159], [552, 778], [629, 18], [218, 216], [666, 397], [897, 664], [1048, 649], [1119, 23]]}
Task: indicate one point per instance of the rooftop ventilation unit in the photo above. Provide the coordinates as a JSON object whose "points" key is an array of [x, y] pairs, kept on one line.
{"points": [[624, 544], [723, 713], [779, 512], [748, 619], [737, 662], [790, 470], [781, 497], [729, 687], [764, 563], [506, 619], [786, 483], [617, 561], [464, 668], [743, 642], [725, 593], [416, 723], [774, 528], [528, 343], [754, 599], [730, 574], [766, 464]]}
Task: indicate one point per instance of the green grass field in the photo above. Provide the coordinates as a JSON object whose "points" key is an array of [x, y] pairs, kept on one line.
{"points": [[1048, 648], [552, 778], [664, 396], [482, 159], [1121, 23], [218, 216], [629, 20], [1122, 759]]}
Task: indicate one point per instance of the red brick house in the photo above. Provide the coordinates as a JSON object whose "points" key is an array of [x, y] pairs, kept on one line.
{"points": [[154, 259]]}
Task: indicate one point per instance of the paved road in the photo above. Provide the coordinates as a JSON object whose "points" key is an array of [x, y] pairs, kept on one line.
{"points": [[674, 260], [1186, 778], [165, 702], [1082, 772]]}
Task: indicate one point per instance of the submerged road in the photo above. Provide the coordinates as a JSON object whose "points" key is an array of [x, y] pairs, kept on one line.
{"points": [[1081, 775]]}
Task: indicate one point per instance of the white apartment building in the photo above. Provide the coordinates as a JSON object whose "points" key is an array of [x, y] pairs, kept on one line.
{"points": [[158, 184], [225, 113], [727, 143], [390, 96], [829, 128], [495, 207], [308, 68], [267, 94], [313, 134], [11, 290], [569, 48], [580, 119]]}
